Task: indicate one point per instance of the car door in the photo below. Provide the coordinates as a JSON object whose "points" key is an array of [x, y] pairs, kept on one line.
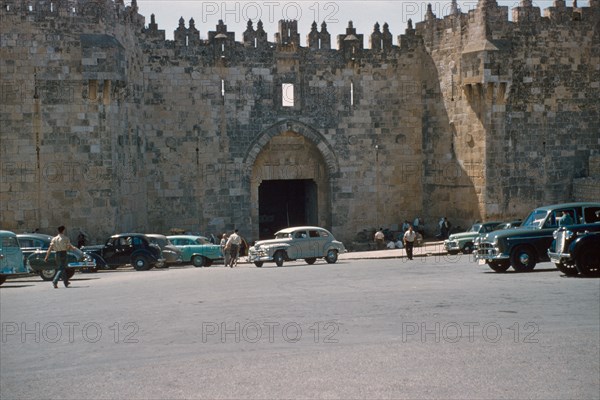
{"points": [[298, 245], [316, 244]]}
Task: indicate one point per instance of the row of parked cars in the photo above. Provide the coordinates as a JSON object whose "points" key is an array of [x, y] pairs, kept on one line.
{"points": [[25, 253], [574, 246]]}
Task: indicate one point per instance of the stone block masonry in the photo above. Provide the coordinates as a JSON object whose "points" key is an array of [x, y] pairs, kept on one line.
{"points": [[107, 126]]}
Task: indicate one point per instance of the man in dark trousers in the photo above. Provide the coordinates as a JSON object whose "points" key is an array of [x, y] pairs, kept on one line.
{"points": [[60, 244], [409, 241]]}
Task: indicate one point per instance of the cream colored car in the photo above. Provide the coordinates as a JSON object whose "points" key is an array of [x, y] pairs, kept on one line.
{"points": [[302, 242]]}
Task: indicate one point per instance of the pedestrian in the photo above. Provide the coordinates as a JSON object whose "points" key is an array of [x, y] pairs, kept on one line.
{"points": [[81, 239], [60, 244], [233, 244], [445, 228], [409, 241], [379, 239], [225, 249]]}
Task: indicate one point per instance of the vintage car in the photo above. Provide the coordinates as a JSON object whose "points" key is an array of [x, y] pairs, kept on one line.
{"points": [[32, 242], [127, 248], [76, 260], [170, 252], [500, 226], [465, 241], [11, 256], [523, 247], [576, 249], [197, 249], [303, 242]]}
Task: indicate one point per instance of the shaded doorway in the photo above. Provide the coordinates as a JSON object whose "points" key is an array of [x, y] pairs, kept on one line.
{"points": [[286, 202]]}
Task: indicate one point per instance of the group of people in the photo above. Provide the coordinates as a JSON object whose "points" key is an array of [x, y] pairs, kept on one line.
{"points": [[231, 248]]}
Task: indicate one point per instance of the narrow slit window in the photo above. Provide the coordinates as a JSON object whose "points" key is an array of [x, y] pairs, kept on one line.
{"points": [[187, 41], [287, 94], [106, 92], [351, 93], [222, 87], [93, 90], [255, 43]]}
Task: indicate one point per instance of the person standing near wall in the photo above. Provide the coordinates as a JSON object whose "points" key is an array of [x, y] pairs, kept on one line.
{"points": [[409, 241], [225, 249], [379, 239], [60, 244], [233, 244]]}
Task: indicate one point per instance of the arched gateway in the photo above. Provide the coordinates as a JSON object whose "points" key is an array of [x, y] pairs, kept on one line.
{"points": [[292, 166]]}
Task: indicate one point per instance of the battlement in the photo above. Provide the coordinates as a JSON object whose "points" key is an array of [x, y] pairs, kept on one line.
{"points": [[113, 11]]}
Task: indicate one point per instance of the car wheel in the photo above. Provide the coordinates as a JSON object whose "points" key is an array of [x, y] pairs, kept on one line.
{"points": [[499, 266], [258, 263], [523, 259], [568, 270], [468, 249], [198, 261], [332, 256], [47, 274], [279, 257], [140, 263], [588, 263], [311, 260]]}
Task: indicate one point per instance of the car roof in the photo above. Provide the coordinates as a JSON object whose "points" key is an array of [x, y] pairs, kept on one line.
{"points": [[192, 237], [155, 235], [297, 228], [40, 236], [127, 234], [567, 205]]}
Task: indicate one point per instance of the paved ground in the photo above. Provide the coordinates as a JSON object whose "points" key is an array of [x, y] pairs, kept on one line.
{"points": [[434, 327]]}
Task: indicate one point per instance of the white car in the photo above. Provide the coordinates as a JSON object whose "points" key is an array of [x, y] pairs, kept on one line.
{"points": [[302, 242]]}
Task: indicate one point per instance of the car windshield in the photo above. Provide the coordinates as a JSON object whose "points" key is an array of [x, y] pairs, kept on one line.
{"points": [[202, 240], [475, 228], [282, 235], [159, 241], [535, 219]]}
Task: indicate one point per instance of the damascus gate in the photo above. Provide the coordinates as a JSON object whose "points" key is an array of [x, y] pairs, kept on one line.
{"points": [[107, 126]]}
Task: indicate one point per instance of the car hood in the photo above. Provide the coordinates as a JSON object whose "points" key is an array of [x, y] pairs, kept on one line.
{"points": [[463, 235], [271, 242], [504, 233]]}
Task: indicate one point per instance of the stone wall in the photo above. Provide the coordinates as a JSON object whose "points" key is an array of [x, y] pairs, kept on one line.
{"points": [[107, 126]]}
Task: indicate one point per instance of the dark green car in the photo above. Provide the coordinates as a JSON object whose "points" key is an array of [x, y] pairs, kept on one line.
{"points": [[76, 260], [523, 247]]}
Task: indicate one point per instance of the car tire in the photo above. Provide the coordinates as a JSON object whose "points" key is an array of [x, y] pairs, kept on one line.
{"points": [[198, 261], [468, 249], [47, 274], [588, 263], [279, 258], [499, 266], [310, 261], [258, 263], [140, 263], [331, 256], [568, 270], [523, 259]]}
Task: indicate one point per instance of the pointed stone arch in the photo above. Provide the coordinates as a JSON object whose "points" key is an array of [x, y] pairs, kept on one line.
{"points": [[295, 126]]}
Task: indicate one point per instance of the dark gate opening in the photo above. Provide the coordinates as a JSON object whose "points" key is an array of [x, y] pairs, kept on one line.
{"points": [[284, 203]]}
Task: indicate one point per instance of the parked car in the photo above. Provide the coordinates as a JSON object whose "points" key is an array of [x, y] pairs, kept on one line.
{"points": [[76, 260], [11, 256], [465, 241], [576, 249], [523, 247], [170, 252], [32, 242], [197, 249], [502, 225], [127, 248], [303, 242]]}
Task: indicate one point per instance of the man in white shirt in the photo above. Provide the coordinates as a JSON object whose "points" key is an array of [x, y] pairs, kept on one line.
{"points": [[60, 244], [409, 241], [233, 244]]}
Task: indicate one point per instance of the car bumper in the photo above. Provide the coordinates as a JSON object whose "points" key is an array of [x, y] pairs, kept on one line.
{"points": [[490, 255], [559, 258], [451, 246], [259, 257]]}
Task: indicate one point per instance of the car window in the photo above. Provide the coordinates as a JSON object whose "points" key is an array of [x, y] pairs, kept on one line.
{"points": [[137, 241], [202, 240], [26, 242], [535, 219], [475, 228], [282, 235], [591, 214], [314, 234], [9, 241], [300, 235]]}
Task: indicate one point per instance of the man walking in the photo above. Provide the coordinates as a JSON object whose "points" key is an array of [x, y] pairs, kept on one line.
{"points": [[409, 241], [233, 244], [60, 244]]}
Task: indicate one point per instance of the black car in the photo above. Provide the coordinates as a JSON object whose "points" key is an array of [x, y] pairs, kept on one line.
{"points": [[127, 248], [576, 249], [523, 247]]}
